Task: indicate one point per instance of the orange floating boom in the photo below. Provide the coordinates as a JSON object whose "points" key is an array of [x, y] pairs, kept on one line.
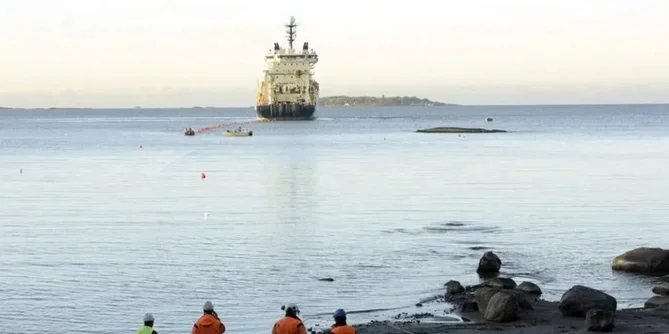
{"points": [[216, 126]]}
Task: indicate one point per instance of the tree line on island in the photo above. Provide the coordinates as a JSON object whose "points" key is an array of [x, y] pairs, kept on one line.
{"points": [[374, 101]]}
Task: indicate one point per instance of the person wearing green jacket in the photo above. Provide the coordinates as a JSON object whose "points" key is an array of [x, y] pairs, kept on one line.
{"points": [[148, 325]]}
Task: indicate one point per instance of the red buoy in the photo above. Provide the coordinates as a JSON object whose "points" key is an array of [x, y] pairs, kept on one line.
{"points": [[203, 176]]}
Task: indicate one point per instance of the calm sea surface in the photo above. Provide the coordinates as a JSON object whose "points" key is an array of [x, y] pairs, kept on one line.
{"points": [[96, 231]]}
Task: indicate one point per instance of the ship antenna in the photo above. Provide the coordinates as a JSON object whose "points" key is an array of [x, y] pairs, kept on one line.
{"points": [[291, 31]]}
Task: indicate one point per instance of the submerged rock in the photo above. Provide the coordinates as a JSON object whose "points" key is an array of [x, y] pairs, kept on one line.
{"points": [[597, 320], [502, 307], [578, 300], [644, 260], [326, 279], [450, 129], [529, 287], [489, 263]]}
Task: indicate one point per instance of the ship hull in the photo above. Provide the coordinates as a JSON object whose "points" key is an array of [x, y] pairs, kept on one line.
{"points": [[285, 112]]}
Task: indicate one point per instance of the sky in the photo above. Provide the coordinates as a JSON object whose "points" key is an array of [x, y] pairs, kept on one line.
{"points": [[158, 53]]}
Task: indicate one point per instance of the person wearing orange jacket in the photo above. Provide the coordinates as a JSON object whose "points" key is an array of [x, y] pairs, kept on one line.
{"points": [[291, 323], [340, 326], [208, 323]]}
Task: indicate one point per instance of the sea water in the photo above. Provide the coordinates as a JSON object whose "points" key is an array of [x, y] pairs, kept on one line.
{"points": [[104, 215]]}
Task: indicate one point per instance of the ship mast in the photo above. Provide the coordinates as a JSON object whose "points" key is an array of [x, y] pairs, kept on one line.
{"points": [[291, 31]]}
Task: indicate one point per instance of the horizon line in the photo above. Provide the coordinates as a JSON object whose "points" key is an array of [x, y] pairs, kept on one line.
{"points": [[448, 105]]}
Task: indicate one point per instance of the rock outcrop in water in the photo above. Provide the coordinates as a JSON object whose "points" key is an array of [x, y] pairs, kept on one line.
{"points": [[644, 260], [450, 129], [489, 263], [454, 287]]}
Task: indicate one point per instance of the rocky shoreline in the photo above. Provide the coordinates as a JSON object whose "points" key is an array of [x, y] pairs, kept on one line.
{"points": [[498, 304]]}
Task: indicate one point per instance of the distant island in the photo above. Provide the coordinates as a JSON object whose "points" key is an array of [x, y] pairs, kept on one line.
{"points": [[373, 101]]}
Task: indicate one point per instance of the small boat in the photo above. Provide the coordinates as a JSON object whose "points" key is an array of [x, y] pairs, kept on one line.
{"points": [[239, 132], [189, 132], [489, 119]]}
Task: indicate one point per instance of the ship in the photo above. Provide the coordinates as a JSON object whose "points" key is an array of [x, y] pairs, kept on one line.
{"points": [[288, 90]]}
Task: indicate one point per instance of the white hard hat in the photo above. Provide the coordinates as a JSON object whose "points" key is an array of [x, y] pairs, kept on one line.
{"points": [[208, 306], [291, 306], [148, 317]]}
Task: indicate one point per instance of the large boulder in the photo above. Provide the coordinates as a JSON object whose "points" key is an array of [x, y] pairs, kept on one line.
{"points": [[500, 282], [483, 296], [579, 299], [502, 307], [597, 320], [454, 287], [489, 263], [644, 260], [661, 289], [523, 301], [529, 287]]}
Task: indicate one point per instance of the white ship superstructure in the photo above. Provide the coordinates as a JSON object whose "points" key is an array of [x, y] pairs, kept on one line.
{"points": [[288, 90]]}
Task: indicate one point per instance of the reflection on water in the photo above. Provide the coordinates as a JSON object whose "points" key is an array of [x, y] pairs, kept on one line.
{"points": [[290, 185]]}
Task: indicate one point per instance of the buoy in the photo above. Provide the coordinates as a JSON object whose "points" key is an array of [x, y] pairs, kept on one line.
{"points": [[21, 170], [205, 216], [203, 176], [140, 145]]}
